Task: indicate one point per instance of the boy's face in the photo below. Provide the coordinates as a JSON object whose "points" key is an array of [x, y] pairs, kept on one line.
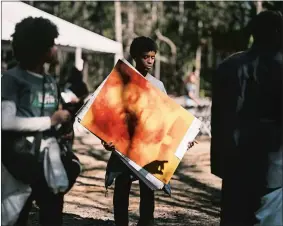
{"points": [[145, 62]]}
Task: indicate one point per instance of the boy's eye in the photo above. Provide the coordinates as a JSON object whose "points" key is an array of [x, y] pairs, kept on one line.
{"points": [[146, 57]]}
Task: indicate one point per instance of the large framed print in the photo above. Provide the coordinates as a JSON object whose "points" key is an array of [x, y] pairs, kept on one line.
{"points": [[150, 130]]}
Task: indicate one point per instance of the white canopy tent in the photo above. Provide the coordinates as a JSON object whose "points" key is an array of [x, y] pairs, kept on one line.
{"points": [[69, 34]]}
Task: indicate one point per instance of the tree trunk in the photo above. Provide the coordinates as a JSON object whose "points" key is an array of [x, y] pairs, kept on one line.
{"points": [[160, 17], [198, 67], [198, 56], [86, 75], [118, 21], [258, 6], [154, 13], [130, 27], [181, 17], [209, 53], [170, 43], [157, 67]]}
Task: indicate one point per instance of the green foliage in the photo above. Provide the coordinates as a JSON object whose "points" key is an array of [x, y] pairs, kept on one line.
{"points": [[222, 22]]}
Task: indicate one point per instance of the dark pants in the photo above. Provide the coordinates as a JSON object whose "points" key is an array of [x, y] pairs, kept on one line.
{"points": [[245, 179], [121, 202], [239, 204], [242, 190], [50, 205]]}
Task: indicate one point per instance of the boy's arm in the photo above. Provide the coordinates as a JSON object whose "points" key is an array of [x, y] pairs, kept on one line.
{"points": [[13, 123], [10, 87]]}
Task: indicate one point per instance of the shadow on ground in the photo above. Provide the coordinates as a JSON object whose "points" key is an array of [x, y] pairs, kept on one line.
{"points": [[195, 193], [72, 220]]}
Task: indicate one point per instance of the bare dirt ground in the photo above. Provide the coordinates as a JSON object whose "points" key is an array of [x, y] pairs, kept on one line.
{"points": [[195, 192]]}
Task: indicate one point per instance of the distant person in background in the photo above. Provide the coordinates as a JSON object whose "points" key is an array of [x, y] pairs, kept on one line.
{"points": [[76, 84], [73, 94], [246, 146], [191, 88]]}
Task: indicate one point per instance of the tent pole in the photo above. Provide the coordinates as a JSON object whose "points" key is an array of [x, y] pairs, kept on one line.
{"points": [[78, 59]]}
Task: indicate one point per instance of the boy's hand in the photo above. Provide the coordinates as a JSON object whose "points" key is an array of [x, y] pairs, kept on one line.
{"points": [[60, 116], [108, 147]]}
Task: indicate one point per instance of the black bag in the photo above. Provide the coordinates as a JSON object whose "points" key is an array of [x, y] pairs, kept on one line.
{"points": [[72, 166], [17, 157]]}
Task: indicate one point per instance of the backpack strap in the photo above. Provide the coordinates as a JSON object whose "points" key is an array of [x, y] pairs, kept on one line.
{"points": [[39, 135]]}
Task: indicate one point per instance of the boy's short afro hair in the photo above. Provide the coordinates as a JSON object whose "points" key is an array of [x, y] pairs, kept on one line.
{"points": [[33, 37], [141, 45]]}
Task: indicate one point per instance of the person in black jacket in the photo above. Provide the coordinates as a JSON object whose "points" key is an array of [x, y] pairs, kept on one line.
{"points": [[246, 146]]}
